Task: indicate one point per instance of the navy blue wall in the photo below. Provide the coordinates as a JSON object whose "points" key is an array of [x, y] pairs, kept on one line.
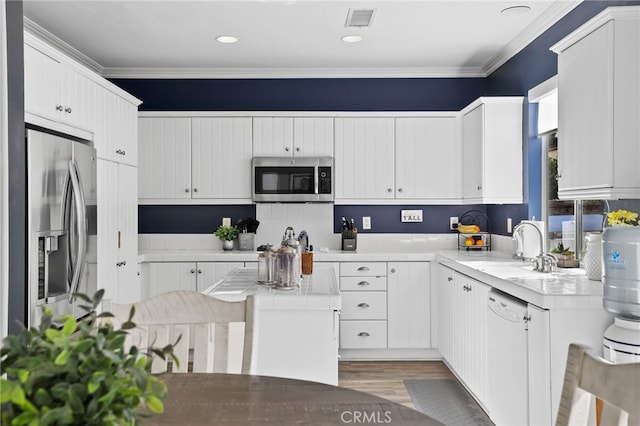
{"points": [[531, 66], [332, 94], [196, 219]]}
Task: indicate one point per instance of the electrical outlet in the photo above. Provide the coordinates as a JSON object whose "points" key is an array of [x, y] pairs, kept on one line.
{"points": [[411, 215], [509, 225], [366, 222], [453, 223], [226, 221]]}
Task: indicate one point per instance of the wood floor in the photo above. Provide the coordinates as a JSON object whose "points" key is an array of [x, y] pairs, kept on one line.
{"points": [[385, 378]]}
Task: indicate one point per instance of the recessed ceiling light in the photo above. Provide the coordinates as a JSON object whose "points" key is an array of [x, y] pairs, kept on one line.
{"points": [[352, 38], [226, 39], [515, 10]]}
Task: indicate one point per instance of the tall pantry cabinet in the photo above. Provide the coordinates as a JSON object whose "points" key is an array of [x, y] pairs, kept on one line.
{"points": [[64, 96]]}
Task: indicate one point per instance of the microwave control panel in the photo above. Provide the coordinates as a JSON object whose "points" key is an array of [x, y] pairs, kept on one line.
{"points": [[324, 180]]}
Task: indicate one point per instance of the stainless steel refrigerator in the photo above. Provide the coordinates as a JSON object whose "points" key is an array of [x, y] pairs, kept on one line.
{"points": [[62, 215]]}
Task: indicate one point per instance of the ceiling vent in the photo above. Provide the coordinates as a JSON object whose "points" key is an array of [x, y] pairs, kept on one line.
{"points": [[360, 17]]}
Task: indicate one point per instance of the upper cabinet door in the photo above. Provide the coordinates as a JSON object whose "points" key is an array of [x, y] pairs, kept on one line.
{"points": [[165, 157], [472, 138], [221, 152], [272, 136], [313, 136], [42, 84], [428, 158], [364, 158]]}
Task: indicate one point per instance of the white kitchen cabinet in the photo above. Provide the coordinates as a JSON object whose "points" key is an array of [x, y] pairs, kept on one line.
{"points": [[492, 135], [118, 232], [164, 157], [195, 159], [427, 161], [162, 277], [293, 136], [539, 368], [400, 159], [54, 91], [462, 326], [221, 153], [364, 158], [116, 130], [363, 321], [599, 106], [409, 305]]}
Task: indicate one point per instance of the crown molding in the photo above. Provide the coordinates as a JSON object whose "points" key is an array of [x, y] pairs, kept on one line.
{"points": [[546, 19], [61, 45], [257, 73], [608, 14]]}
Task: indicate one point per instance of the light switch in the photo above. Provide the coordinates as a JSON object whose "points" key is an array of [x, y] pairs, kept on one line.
{"points": [[226, 221], [366, 222]]}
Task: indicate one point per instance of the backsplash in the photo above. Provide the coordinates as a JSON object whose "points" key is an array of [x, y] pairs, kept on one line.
{"points": [[321, 221]]}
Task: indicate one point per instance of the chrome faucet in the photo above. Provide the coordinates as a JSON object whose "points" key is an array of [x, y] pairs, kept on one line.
{"points": [[542, 262]]}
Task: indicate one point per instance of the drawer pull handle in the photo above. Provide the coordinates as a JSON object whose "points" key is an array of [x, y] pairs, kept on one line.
{"points": [[363, 305], [363, 334], [363, 269], [363, 283]]}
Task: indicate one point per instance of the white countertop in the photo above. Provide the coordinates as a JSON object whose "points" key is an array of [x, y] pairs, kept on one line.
{"points": [[317, 291], [567, 288]]}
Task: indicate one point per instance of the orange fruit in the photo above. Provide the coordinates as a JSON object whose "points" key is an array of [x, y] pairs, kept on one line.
{"points": [[469, 241], [479, 243]]}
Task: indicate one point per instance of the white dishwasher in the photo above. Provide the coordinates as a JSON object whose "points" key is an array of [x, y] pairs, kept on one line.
{"points": [[507, 343]]}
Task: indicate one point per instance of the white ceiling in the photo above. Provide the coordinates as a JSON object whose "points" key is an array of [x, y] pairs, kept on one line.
{"points": [[294, 38]]}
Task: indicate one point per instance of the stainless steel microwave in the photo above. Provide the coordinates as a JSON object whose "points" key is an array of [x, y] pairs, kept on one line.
{"points": [[292, 180]]}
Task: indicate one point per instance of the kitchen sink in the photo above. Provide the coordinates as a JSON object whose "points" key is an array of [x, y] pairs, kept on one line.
{"points": [[520, 270]]}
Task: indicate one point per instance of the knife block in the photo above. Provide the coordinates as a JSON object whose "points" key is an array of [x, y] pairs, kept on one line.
{"points": [[349, 239]]}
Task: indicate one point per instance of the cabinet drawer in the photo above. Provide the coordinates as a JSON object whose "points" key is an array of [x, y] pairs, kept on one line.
{"points": [[363, 283], [364, 305], [363, 334], [368, 269]]}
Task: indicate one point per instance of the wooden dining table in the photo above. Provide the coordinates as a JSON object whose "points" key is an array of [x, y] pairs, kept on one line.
{"points": [[238, 399]]}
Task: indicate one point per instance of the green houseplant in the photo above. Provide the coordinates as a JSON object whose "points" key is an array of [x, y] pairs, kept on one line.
{"points": [[227, 234], [78, 372]]}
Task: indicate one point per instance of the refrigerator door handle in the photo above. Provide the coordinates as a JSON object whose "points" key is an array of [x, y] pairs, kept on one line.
{"points": [[81, 227]]}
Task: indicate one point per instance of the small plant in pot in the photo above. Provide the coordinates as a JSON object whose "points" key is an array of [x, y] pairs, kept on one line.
{"points": [[227, 234], [68, 371]]}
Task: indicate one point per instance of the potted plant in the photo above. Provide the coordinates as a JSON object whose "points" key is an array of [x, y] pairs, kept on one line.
{"points": [[565, 256], [227, 234], [78, 372]]}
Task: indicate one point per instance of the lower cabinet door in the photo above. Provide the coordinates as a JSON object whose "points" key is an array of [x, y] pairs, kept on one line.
{"points": [[363, 334], [169, 276]]}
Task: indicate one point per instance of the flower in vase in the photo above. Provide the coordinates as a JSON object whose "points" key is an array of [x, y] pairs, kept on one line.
{"points": [[622, 217]]}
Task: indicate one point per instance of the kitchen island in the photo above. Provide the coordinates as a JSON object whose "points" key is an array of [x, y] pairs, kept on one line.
{"points": [[296, 330]]}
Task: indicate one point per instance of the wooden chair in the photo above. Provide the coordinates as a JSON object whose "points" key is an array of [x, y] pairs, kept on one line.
{"points": [[588, 378], [216, 335]]}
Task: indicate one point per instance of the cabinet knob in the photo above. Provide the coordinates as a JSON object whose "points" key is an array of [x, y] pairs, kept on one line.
{"points": [[195, 189], [558, 176], [399, 189], [479, 187], [393, 270], [287, 149], [363, 334], [389, 190], [363, 305], [298, 149], [193, 271], [186, 190], [363, 283], [124, 262], [67, 110], [449, 278], [363, 269], [59, 108], [199, 271], [123, 152]]}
